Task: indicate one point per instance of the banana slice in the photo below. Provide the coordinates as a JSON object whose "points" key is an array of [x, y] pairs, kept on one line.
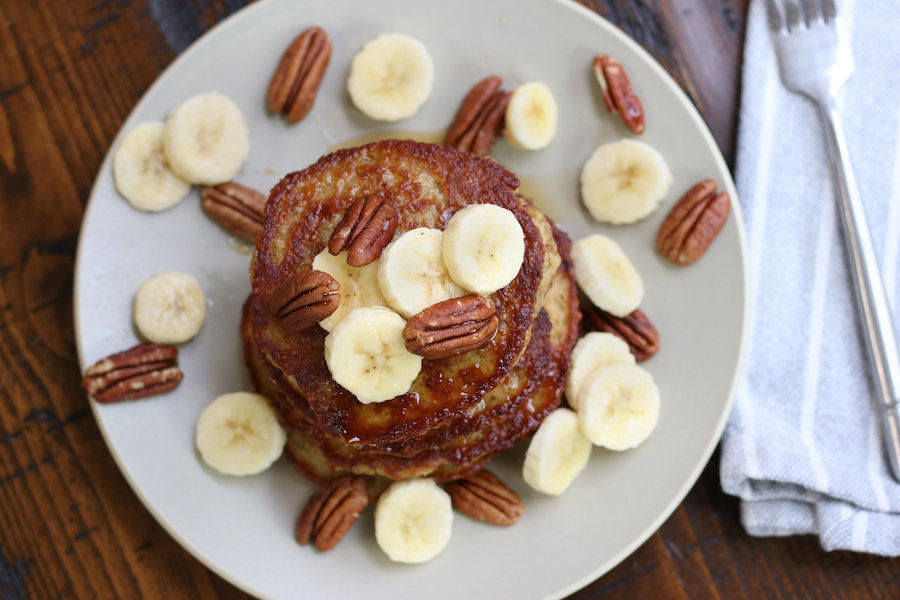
{"points": [[239, 434], [558, 452], [359, 285], [169, 308], [531, 117], [366, 353], [206, 140], [412, 275], [606, 275], [595, 350], [618, 406], [142, 173], [624, 182], [483, 248], [413, 520], [391, 77]]}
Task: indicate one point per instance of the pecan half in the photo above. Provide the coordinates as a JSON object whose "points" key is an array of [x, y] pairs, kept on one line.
{"points": [[239, 210], [480, 119], [145, 370], [693, 223], [330, 512], [451, 327], [617, 92], [484, 497], [635, 329], [296, 81], [365, 230], [303, 300]]}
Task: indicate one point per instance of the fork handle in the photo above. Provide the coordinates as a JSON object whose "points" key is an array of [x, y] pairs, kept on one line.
{"points": [[870, 296]]}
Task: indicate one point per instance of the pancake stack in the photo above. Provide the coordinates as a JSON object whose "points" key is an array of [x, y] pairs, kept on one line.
{"points": [[459, 411]]}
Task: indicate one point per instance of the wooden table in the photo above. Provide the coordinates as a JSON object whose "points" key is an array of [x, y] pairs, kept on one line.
{"points": [[70, 526]]}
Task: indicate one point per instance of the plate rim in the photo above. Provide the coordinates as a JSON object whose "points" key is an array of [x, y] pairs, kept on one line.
{"points": [[736, 211]]}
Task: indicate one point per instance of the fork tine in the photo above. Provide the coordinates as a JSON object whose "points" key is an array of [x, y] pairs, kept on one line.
{"points": [[829, 12], [811, 12], [775, 21], [792, 12]]}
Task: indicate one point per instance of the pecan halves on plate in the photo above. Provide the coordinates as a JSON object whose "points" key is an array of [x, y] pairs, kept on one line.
{"points": [[635, 329], [617, 92], [331, 511], [693, 223], [484, 497], [480, 119], [239, 210], [296, 81], [366, 229], [303, 300], [452, 327], [145, 370]]}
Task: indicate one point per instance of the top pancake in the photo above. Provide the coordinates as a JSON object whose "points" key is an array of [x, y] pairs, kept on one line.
{"points": [[428, 183], [532, 391]]}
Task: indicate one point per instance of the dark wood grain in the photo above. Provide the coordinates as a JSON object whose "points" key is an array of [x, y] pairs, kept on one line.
{"points": [[70, 526], [699, 42]]}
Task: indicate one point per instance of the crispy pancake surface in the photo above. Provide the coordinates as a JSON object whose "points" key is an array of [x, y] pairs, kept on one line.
{"points": [[420, 457], [428, 183], [514, 390], [466, 454], [509, 412]]}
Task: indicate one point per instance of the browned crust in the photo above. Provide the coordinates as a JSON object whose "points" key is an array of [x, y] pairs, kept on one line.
{"points": [[456, 457], [459, 458], [562, 351], [541, 360], [518, 389], [462, 445], [302, 212], [457, 451], [256, 367]]}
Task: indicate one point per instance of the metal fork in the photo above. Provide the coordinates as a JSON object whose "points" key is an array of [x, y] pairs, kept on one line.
{"points": [[815, 60]]}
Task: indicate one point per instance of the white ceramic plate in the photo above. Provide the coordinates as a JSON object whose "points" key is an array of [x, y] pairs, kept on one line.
{"points": [[242, 528]]}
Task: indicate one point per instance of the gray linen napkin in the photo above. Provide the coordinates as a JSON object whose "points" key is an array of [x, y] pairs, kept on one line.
{"points": [[803, 448]]}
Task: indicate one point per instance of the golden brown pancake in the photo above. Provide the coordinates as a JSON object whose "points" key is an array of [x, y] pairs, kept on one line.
{"points": [[459, 412], [515, 389], [466, 447], [420, 455], [309, 462], [463, 455], [429, 184], [402, 461]]}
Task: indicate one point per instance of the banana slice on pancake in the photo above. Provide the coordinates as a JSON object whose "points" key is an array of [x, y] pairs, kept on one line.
{"points": [[366, 354], [359, 285], [412, 275], [483, 247]]}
